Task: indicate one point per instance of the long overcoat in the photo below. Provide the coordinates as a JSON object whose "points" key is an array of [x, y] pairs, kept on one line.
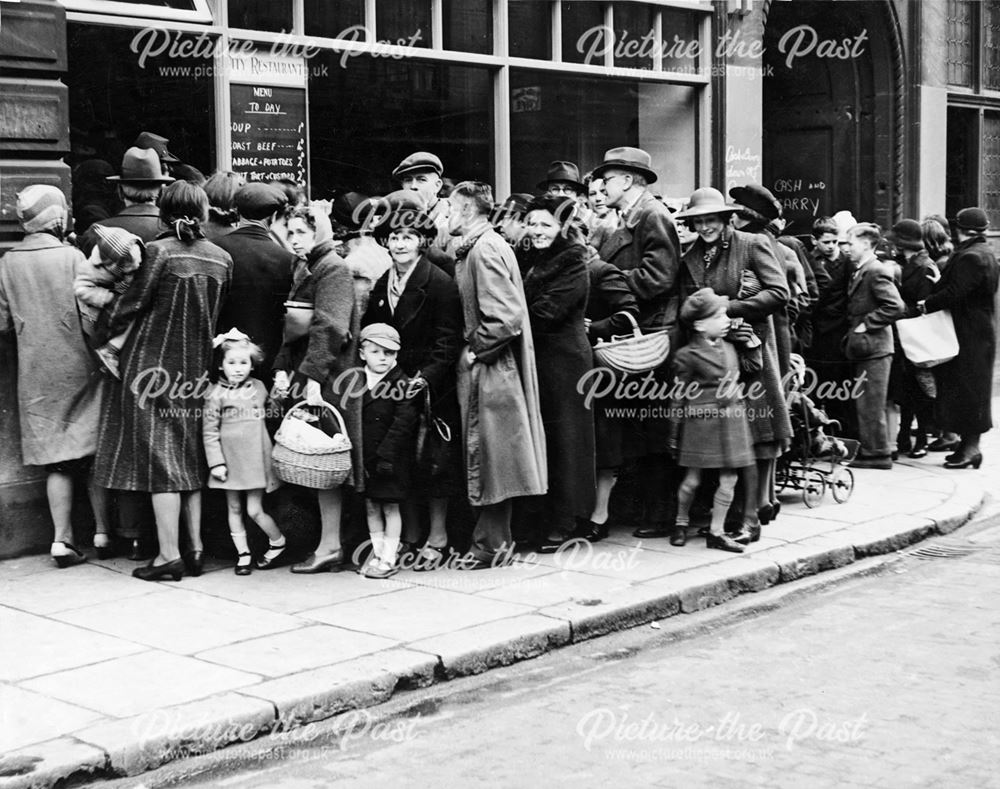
{"points": [[740, 251], [330, 348], [556, 287], [151, 432], [967, 287], [428, 317], [58, 387], [498, 393], [262, 278]]}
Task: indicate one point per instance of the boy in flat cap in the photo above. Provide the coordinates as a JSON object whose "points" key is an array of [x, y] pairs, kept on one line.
{"points": [[388, 425]]}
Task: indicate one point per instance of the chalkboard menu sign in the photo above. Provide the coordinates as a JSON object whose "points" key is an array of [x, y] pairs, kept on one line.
{"points": [[269, 132]]}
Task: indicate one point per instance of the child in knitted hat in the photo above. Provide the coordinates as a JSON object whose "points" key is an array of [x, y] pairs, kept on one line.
{"points": [[107, 273]]}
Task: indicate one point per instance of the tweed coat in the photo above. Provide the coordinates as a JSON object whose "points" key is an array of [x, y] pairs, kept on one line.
{"points": [[331, 346], [428, 317], [741, 252], [968, 287], [142, 220], [498, 393], [874, 300], [646, 248], [262, 278], [58, 388], [556, 287], [151, 433]]}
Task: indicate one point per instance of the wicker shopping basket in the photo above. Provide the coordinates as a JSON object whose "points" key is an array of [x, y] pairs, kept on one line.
{"points": [[305, 455], [635, 352]]}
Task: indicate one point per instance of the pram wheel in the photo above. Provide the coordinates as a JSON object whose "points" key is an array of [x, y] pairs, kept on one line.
{"points": [[842, 484], [813, 487]]}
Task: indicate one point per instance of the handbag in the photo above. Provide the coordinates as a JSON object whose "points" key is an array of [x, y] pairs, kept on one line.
{"points": [[433, 441], [928, 340], [635, 352], [298, 318]]}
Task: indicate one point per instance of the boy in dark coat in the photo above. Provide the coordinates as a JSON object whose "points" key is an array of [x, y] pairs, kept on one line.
{"points": [[388, 422]]}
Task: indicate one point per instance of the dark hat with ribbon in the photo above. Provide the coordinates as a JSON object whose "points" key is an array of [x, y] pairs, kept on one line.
{"points": [[907, 234], [402, 210], [157, 143], [141, 166], [419, 162], [633, 159], [353, 210], [973, 219], [757, 198], [514, 207], [257, 200], [563, 173], [701, 304]]}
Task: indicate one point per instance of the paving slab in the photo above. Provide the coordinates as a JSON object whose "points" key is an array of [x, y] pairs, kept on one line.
{"points": [[182, 621], [296, 650], [44, 646], [139, 683], [144, 742], [30, 718], [87, 585], [415, 613]]}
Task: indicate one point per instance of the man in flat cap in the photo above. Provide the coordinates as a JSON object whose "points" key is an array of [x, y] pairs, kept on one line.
{"points": [[262, 272], [422, 172], [154, 142], [646, 248]]}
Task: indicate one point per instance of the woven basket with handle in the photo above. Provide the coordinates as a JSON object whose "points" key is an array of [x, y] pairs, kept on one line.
{"points": [[635, 352], [307, 456]]}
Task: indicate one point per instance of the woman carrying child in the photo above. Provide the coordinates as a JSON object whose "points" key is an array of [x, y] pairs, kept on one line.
{"points": [[715, 432], [237, 446]]}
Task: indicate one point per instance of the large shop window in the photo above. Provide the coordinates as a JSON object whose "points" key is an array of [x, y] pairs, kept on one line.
{"points": [[555, 116], [529, 29], [115, 93], [366, 114]]}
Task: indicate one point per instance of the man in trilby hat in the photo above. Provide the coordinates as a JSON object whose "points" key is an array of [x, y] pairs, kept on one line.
{"points": [[646, 248], [139, 185]]}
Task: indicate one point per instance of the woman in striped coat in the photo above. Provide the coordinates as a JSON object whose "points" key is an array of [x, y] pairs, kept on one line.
{"points": [[150, 437]]}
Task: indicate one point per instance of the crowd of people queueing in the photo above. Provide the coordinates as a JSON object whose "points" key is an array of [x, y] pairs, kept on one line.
{"points": [[161, 344]]}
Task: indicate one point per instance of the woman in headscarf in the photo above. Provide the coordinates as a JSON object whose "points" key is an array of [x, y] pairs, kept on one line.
{"points": [[58, 388], [151, 426], [308, 366]]}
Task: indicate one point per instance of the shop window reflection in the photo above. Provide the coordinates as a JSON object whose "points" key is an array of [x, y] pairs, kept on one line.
{"points": [[335, 19], [556, 116], [583, 33], [468, 25], [273, 16], [113, 96], [367, 114], [404, 21], [530, 29]]}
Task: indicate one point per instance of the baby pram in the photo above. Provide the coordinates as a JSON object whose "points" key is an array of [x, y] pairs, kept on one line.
{"points": [[817, 459]]}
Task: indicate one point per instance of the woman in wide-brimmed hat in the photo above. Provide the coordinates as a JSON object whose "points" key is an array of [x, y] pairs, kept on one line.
{"points": [[743, 267]]}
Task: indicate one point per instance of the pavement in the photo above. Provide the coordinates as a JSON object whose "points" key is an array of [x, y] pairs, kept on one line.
{"points": [[103, 675]]}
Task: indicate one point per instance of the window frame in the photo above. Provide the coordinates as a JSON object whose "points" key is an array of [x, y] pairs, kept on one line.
{"points": [[202, 11]]}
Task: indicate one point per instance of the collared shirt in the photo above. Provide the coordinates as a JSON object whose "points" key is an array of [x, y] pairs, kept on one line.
{"points": [[627, 210], [372, 379], [397, 284]]}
